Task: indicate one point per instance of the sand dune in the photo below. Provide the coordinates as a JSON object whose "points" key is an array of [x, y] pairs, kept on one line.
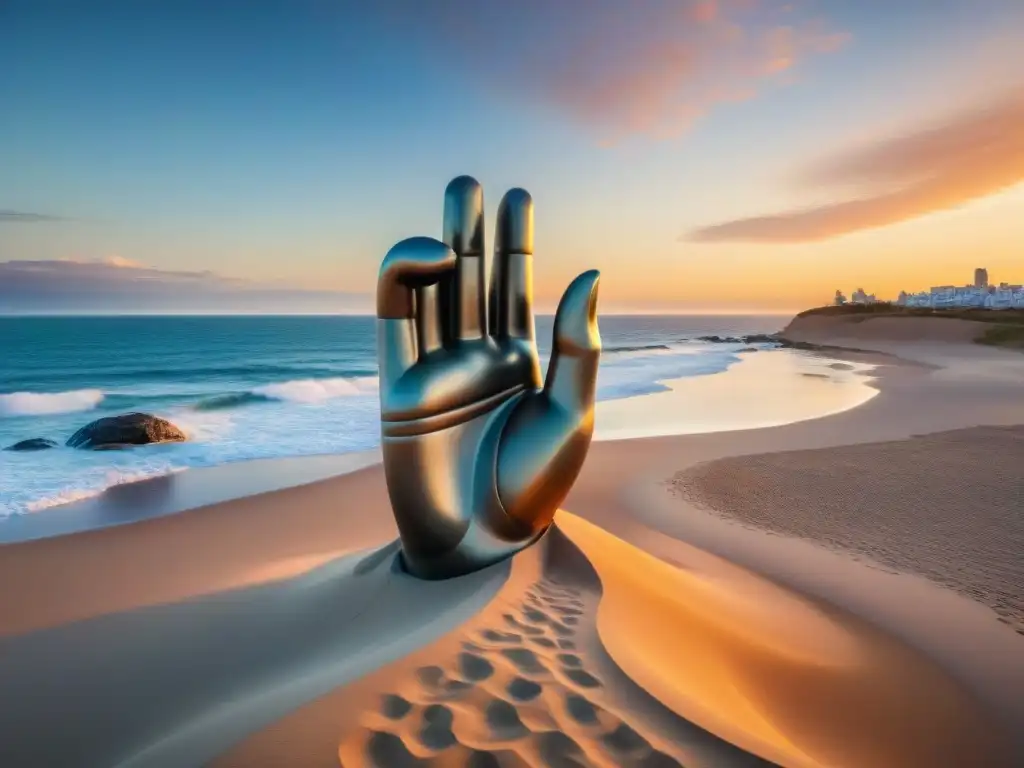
{"points": [[597, 653], [525, 682]]}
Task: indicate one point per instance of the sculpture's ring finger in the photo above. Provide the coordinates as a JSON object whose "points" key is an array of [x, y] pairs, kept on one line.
{"points": [[512, 276]]}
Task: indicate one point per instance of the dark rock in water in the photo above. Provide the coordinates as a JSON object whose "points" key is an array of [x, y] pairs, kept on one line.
{"points": [[115, 432], [754, 338], [761, 338], [32, 444]]}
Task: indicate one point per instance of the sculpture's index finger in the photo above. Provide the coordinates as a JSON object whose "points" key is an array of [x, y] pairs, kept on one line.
{"points": [[512, 278], [412, 263], [409, 265]]}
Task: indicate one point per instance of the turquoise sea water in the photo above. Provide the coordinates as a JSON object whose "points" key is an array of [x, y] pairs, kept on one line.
{"points": [[254, 387]]}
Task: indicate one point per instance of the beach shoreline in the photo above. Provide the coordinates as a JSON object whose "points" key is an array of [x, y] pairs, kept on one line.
{"points": [[762, 389], [281, 537]]}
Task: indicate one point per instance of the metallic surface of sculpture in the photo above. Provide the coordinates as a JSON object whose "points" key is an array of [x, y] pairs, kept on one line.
{"points": [[477, 454]]}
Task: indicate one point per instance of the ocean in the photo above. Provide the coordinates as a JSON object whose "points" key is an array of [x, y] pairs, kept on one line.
{"points": [[255, 387]]}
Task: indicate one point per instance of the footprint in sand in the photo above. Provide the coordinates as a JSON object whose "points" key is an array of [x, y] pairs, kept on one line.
{"points": [[559, 751], [582, 678], [580, 710], [430, 677], [436, 729], [625, 742], [394, 707], [524, 660], [522, 690], [496, 636], [527, 629], [386, 750], [503, 721], [534, 616], [569, 660], [499, 685], [475, 668], [543, 642], [567, 612], [561, 629]]}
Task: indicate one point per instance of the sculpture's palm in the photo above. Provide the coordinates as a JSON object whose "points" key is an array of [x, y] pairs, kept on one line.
{"points": [[477, 455]]}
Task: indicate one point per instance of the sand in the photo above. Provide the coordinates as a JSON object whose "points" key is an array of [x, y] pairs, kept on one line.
{"points": [[641, 630], [949, 506]]}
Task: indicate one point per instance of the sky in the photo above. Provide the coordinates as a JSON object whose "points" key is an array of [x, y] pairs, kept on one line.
{"points": [[724, 156]]}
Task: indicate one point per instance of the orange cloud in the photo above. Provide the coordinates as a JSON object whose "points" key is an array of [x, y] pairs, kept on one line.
{"points": [[704, 10], [662, 79], [970, 155], [646, 67]]}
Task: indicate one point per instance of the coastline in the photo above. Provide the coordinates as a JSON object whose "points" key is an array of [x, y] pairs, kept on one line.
{"points": [[245, 389], [295, 534]]}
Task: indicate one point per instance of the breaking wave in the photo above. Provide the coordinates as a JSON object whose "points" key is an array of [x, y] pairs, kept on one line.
{"points": [[318, 390], [46, 403], [294, 391]]}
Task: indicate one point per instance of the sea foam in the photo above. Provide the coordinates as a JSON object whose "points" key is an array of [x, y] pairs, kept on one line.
{"points": [[45, 403], [289, 417], [318, 390]]}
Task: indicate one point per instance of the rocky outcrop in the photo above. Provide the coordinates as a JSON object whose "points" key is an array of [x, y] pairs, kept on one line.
{"points": [[124, 430], [32, 444]]}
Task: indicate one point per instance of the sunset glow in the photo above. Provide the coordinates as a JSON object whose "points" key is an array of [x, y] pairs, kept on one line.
{"points": [[728, 156]]}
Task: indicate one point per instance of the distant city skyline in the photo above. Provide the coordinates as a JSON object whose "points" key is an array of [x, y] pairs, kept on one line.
{"points": [[980, 293], [708, 156]]}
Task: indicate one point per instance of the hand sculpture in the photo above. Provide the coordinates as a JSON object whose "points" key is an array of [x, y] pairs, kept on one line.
{"points": [[477, 455]]}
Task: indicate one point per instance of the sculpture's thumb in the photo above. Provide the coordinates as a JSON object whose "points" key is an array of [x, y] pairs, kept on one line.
{"points": [[546, 439], [572, 372]]}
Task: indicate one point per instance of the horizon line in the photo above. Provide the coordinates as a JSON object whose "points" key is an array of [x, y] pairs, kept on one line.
{"points": [[688, 313]]}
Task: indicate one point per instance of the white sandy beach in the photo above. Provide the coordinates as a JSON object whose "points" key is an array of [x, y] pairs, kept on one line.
{"points": [[667, 619]]}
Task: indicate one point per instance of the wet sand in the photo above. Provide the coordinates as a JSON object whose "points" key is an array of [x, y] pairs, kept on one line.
{"points": [[277, 630]]}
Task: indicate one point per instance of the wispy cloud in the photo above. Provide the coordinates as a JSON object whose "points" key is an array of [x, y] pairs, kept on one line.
{"points": [[120, 285], [23, 217], [647, 67], [969, 155]]}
